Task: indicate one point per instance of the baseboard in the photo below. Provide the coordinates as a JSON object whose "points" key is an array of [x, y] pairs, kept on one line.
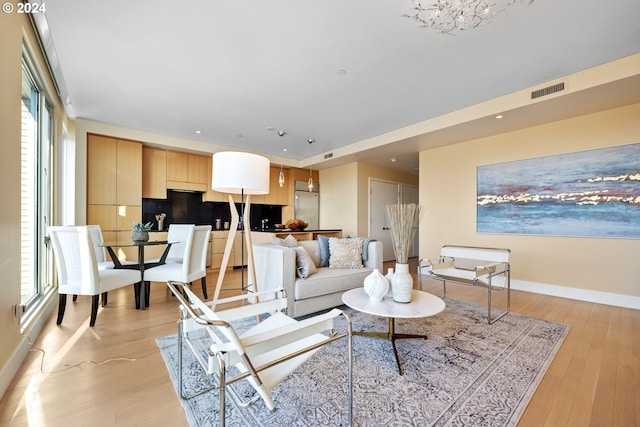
{"points": [[21, 351], [599, 297]]}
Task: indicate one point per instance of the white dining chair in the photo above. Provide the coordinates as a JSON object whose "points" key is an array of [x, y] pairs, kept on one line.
{"points": [[95, 232], [78, 271], [177, 235], [193, 266]]}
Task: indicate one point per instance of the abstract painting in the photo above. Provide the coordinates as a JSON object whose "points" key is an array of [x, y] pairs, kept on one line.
{"points": [[593, 193]]}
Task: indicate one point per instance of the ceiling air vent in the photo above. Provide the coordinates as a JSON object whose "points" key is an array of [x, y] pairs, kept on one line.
{"points": [[328, 156], [547, 90]]}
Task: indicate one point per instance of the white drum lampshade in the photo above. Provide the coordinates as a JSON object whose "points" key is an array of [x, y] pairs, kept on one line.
{"points": [[237, 172]]}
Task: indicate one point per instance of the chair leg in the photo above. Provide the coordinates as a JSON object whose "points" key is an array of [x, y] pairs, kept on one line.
{"points": [[95, 299], [147, 293], [204, 287], [75, 297], [136, 293], [105, 296], [62, 304]]}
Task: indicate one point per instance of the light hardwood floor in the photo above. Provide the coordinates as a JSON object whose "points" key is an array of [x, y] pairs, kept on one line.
{"points": [[113, 374]]}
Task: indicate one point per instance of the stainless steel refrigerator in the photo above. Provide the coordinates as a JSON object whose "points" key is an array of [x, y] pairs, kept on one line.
{"points": [[307, 204]]}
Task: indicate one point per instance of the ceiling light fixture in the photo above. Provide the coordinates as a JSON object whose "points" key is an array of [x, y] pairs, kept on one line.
{"points": [[310, 182], [281, 176], [499, 116], [447, 16], [281, 133]]}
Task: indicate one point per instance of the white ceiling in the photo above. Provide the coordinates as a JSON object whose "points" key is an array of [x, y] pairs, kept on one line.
{"points": [[339, 71]]}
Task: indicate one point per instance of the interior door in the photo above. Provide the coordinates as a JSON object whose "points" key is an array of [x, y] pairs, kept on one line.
{"points": [[381, 193]]}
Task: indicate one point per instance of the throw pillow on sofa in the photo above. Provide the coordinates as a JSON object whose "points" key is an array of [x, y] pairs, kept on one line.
{"points": [[323, 244], [345, 253], [288, 242], [304, 264]]}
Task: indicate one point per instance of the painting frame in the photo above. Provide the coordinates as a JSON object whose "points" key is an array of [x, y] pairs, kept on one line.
{"points": [[590, 193]]}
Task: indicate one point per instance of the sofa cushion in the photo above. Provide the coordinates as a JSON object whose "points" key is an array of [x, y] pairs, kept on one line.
{"points": [[330, 280], [287, 242], [345, 253], [304, 264], [313, 249]]}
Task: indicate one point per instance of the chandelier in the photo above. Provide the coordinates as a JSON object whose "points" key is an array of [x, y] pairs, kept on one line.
{"points": [[448, 16]]}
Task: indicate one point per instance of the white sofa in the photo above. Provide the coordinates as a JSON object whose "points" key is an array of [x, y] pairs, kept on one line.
{"points": [[276, 267]]}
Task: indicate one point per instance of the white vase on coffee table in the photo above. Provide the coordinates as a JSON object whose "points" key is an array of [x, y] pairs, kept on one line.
{"points": [[402, 284]]}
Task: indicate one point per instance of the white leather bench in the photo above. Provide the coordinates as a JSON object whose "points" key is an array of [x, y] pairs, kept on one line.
{"points": [[469, 265]]}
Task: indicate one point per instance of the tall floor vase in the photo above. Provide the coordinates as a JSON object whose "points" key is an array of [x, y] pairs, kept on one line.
{"points": [[402, 284]]}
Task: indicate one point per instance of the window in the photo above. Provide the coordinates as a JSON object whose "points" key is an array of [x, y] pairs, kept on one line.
{"points": [[35, 184]]}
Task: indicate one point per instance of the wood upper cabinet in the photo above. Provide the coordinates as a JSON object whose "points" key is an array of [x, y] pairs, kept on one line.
{"points": [[129, 173], [177, 166], [114, 187], [277, 195], [114, 171], [197, 169], [187, 171], [101, 170], [154, 173]]}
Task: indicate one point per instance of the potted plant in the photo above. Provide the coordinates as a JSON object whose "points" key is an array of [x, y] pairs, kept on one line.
{"points": [[140, 232], [403, 220]]}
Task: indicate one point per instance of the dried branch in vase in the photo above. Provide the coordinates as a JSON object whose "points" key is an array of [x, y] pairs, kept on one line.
{"points": [[403, 220]]}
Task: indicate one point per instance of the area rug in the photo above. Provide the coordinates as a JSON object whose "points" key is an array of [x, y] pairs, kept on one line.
{"points": [[466, 373]]}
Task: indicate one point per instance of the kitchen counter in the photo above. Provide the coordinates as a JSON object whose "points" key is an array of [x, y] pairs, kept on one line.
{"points": [[266, 235]]}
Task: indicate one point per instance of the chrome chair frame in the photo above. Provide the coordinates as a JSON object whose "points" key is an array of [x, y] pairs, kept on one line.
{"points": [[193, 316]]}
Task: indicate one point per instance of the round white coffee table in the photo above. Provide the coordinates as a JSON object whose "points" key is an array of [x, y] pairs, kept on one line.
{"points": [[422, 305]]}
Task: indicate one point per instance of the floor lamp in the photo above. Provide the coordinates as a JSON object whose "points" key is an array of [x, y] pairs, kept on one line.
{"points": [[245, 174]]}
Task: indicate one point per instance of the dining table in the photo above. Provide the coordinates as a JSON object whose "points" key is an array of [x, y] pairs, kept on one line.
{"points": [[141, 294]]}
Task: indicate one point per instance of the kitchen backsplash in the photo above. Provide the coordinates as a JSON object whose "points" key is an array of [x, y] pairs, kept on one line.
{"points": [[188, 208]]}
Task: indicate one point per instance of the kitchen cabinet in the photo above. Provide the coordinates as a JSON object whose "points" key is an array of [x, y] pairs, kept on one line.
{"points": [[154, 173], [218, 244], [101, 170], [187, 171], [114, 187], [277, 195]]}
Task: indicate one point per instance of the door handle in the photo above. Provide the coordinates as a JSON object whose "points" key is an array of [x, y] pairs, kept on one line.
{"points": [[386, 228]]}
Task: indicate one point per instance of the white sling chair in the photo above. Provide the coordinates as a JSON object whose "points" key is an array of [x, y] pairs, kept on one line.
{"points": [[265, 354]]}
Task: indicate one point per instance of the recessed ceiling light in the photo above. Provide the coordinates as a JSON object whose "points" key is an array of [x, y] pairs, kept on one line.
{"points": [[499, 116], [284, 149], [198, 132], [311, 140], [282, 133], [393, 160]]}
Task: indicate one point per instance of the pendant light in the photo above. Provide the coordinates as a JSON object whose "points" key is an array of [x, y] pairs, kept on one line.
{"points": [[310, 182], [281, 177], [281, 133]]}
